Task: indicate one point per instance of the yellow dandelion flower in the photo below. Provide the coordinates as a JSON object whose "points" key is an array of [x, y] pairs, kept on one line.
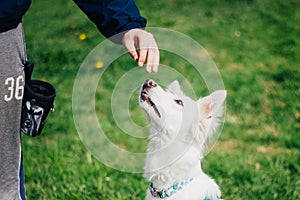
{"points": [[82, 36], [99, 64]]}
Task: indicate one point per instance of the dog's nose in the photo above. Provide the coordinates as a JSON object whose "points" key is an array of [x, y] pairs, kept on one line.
{"points": [[150, 83]]}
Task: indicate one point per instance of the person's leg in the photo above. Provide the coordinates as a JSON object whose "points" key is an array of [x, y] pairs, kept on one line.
{"points": [[12, 80]]}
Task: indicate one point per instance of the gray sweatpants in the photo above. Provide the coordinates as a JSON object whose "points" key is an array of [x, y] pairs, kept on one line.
{"points": [[12, 80]]}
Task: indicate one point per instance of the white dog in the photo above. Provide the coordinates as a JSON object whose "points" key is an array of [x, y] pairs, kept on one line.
{"points": [[180, 129]]}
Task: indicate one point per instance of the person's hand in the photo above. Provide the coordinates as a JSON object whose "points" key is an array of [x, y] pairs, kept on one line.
{"points": [[142, 47]]}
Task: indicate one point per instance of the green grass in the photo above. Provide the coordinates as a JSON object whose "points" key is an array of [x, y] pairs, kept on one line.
{"points": [[255, 45]]}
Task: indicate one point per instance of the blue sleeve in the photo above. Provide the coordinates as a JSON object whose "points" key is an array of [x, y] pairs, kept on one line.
{"points": [[112, 16]]}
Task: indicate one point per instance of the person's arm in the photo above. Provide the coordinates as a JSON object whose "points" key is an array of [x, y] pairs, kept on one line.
{"points": [[112, 16], [120, 21]]}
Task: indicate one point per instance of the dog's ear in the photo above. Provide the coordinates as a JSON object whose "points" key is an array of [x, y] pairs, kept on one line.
{"points": [[175, 88], [212, 106], [211, 112]]}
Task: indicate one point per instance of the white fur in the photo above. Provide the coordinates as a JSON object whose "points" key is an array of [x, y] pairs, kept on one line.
{"points": [[178, 140]]}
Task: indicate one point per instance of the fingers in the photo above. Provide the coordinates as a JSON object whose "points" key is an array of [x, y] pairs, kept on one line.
{"points": [[142, 57], [152, 60], [134, 55], [148, 52], [142, 47], [130, 46]]}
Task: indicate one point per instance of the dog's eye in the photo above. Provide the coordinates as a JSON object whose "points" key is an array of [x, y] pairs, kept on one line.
{"points": [[178, 101]]}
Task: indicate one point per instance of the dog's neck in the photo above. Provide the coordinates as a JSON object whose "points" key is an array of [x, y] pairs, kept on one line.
{"points": [[168, 164]]}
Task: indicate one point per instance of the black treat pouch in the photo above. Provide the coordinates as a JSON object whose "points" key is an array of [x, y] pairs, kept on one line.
{"points": [[38, 101]]}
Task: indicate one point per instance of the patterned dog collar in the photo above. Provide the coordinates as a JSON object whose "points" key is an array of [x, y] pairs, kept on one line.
{"points": [[207, 198], [164, 194]]}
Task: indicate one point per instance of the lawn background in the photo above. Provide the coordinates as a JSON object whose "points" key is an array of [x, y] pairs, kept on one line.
{"points": [[255, 45]]}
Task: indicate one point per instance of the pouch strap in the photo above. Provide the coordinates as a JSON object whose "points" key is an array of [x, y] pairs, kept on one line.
{"points": [[28, 69]]}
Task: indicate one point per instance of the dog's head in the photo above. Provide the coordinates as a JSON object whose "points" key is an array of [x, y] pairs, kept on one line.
{"points": [[171, 112]]}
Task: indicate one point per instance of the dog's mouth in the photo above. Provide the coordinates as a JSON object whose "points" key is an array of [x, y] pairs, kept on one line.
{"points": [[144, 96]]}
